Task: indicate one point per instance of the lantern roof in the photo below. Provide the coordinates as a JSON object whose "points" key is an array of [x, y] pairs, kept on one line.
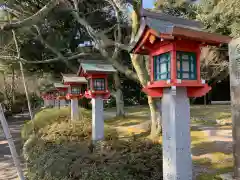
{"points": [[73, 78], [93, 66], [168, 27], [49, 90], [60, 85]]}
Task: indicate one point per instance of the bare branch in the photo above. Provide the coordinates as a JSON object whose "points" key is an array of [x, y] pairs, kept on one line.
{"points": [[119, 33], [34, 19], [120, 67], [13, 11]]}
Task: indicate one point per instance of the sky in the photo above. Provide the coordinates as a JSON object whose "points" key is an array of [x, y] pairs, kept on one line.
{"points": [[148, 3]]}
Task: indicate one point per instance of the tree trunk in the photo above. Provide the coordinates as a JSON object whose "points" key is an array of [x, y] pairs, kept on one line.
{"points": [[234, 71], [22, 71], [119, 96], [159, 116], [4, 87], [26, 90], [6, 94], [142, 70], [13, 87], [205, 100], [153, 111]]}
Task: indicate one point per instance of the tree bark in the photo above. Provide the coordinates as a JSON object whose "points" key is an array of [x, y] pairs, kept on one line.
{"points": [[234, 71], [119, 96], [13, 86], [142, 70], [34, 19], [6, 100], [153, 111], [22, 70], [26, 91]]}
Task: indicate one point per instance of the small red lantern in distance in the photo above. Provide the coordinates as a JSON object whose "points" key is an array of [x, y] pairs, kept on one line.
{"points": [[75, 84], [174, 46], [96, 73], [62, 90], [49, 94]]}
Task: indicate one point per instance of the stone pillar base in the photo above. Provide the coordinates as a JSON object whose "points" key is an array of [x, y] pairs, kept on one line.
{"points": [[177, 161], [74, 109], [228, 176], [62, 103], [97, 119]]}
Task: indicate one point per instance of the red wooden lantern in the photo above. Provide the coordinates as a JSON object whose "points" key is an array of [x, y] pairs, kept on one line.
{"points": [[62, 90], [96, 73], [174, 46], [50, 94], [75, 85]]}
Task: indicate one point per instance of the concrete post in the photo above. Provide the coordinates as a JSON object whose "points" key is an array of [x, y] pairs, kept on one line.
{"points": [[45, 101], [51, 102], [56, 103], [62, 103], [177, 162], [97, 119], [74, 109]]}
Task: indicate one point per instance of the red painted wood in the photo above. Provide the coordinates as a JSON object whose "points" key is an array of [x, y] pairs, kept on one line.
{"points": [[191, 91], [93, 94], [154, 92], [162, 49], [198, 92], [142, 42], [198, 64], [61, 97], [151, 69], [73, 96], [173, 63]]}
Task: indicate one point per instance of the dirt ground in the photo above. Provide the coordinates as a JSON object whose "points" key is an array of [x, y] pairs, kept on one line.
{"points": [[7, 169]]}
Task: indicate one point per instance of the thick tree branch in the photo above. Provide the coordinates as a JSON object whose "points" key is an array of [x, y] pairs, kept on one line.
{"points": [[119, 33], [34, 19], [98, 36], [15, 59], [55, 51], [102, 42], [120, 67]]}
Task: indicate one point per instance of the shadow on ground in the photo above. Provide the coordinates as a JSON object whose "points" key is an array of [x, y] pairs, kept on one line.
{"points": [[212, 147]]}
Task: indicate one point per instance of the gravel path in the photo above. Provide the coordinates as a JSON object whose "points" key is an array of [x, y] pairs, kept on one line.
{"points": [[7, 169]]}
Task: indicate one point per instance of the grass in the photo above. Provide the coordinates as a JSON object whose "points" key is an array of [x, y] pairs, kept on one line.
{"points": [[207, 115], [203, 115], [129, 120]]}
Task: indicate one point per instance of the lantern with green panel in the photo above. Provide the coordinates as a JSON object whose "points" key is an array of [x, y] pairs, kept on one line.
{"points": [[186, 65]]}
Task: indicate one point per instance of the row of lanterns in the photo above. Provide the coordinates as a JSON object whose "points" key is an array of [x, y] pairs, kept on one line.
{"points": [[90, 82]]}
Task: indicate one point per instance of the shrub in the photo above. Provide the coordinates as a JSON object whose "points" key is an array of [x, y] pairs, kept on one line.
{"points": [[62, 150], [47, 117]]}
